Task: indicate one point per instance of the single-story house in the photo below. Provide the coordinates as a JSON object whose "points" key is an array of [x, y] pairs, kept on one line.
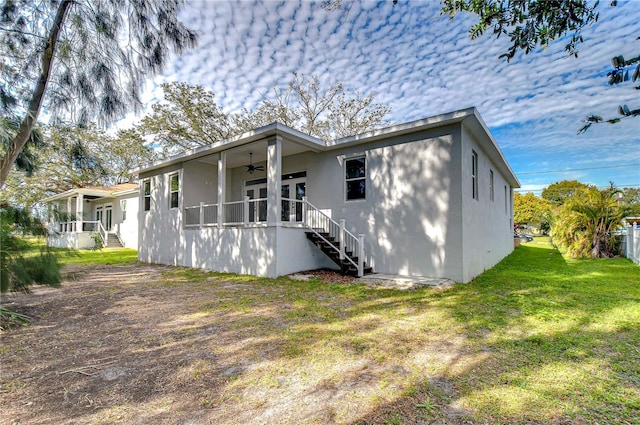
{"points": [[110, 212], [432, 197]]}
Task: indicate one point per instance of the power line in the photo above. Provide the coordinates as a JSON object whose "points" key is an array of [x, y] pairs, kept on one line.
{"points": [[618, 186], [578, 169]]}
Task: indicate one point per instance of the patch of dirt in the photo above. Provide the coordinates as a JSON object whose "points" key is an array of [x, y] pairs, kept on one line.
{"points": [[127, 344], [327, 275]]}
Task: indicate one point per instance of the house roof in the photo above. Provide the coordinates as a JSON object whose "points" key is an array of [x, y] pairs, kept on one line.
{"points": [[97, 191], [469, 118]]}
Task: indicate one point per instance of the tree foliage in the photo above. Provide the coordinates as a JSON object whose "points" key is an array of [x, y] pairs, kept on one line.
{"points": [[530, 209], [631, 197], [83, 60], [73, 157], [327, 112], [585, 223], [18, 271], [191, 117], [557, 193], [619, 74], [528, 23]]}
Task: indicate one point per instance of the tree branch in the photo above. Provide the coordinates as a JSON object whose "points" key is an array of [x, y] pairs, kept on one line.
{"points": [[31, 116]]}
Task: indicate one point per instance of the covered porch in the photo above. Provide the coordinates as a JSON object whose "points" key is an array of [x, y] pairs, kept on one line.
{"points": [[257, 196], [81, 218]]}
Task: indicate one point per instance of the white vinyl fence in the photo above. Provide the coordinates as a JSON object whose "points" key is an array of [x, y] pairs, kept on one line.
{"points": [[632, 245]]}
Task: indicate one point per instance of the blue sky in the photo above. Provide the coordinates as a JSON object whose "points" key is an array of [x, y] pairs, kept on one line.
{"points": [[422, 64]]}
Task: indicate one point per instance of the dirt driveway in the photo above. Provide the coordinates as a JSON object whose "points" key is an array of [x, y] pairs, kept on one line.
{"points": [[144, 344]]}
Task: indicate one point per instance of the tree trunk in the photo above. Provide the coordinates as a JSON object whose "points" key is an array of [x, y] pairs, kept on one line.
{"points": [[31, 117]]}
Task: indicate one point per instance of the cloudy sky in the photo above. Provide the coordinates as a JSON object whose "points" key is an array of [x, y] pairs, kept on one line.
{"points": [[422, 64]]}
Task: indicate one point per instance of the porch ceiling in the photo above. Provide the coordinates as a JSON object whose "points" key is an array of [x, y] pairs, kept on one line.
{"points": [[239, 156]]}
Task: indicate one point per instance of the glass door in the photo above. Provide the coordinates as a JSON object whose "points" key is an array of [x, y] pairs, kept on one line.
{"points": [[293, 189], [108, 217], [257, 209], [99, 214]]}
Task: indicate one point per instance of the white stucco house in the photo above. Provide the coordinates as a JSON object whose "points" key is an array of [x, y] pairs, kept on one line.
{"points": [[108, 211], [431, 197]]}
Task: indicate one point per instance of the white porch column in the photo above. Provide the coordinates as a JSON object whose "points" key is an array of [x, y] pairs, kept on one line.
{"points": [[68, 219], [222, 185], [274, 181], [79, 211]]}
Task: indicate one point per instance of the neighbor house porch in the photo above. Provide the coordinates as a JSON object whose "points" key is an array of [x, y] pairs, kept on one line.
{"points": [[85, 217]]}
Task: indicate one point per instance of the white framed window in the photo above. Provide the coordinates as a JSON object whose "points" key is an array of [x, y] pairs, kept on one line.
{"points": [[123, 209], [146, 193], [474, 175], [355, 178], [174, 190], [491, 194]]}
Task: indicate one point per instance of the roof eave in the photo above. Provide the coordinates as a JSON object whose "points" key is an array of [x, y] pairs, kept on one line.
{"points": [[479, 128], [271, 130], [405, 128]]}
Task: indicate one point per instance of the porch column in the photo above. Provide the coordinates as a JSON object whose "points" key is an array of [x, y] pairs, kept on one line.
{"points": [[79, 211], [274, 181], [68, 219], [222, 185]]}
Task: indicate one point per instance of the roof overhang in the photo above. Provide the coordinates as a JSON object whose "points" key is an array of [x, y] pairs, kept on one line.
{"points": [[270, 131], [469, 117], [90, 192], [476, 125]]}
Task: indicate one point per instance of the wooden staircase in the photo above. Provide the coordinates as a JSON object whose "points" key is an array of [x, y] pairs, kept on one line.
{"points": [[113, 241], [331, 247]]}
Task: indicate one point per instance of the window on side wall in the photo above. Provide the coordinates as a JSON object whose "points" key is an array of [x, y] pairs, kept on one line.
{"points": [[474, 175], [174, 189], [491, 195], [506, 201], [355, 178], [123, 208], [146, 185]]}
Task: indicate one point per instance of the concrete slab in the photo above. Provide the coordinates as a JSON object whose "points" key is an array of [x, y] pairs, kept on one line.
{"points": [[406, 282]]}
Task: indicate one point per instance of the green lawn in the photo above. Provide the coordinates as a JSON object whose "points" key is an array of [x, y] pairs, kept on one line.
{"points": [[537, 339], [104, 256], [563, 338]]}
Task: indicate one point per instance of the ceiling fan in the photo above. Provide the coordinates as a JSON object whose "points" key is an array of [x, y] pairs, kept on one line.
{"points": [[251, 168]]}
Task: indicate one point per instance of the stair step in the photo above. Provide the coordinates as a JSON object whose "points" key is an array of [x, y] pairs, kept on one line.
{"points": [[113, 241], [346, 266]]}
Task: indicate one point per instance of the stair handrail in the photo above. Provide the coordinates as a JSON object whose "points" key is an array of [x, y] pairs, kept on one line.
{"points": [[325, 216], [103, 233]]}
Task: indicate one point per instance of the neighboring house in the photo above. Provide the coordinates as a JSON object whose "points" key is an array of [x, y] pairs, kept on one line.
{"points": [[108, 211], [431, 197]]}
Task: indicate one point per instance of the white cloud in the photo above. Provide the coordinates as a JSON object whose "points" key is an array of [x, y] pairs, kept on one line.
{"points": [[421, 64]]}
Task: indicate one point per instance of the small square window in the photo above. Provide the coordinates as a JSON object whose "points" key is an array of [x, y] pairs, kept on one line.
{"points": [[355, 178]]}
